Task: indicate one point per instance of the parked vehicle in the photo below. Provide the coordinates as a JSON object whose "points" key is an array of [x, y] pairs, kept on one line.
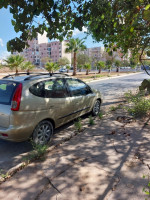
{"points": [[63, 70], [34, 105]]}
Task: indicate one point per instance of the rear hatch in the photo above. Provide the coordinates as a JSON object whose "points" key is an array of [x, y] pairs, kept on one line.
{"points": [[7, 89]]}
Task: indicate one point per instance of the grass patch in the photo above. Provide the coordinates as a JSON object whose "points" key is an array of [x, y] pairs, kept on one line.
{"points": [[91, 120], [78, 125], [2, 174], [38, 153], [139, 106], [114, 108], [100, 115]]}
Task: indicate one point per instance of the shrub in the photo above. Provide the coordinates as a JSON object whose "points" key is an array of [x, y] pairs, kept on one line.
{"points": [[91, 121], [78, 125], [37, 153], [140, 106], [100, 115]]}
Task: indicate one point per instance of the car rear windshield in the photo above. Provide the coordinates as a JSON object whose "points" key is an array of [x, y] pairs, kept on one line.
{"points": [[7, 89]]}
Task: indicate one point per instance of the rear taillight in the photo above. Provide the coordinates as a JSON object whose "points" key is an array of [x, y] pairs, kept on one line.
{"points": [[16, 98]]}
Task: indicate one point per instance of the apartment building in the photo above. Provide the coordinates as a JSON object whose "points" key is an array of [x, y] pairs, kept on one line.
{"points": [[95, 52], [39, 49]]}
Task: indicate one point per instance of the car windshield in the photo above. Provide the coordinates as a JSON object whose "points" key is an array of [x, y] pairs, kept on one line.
{"points": [[6, 91]]}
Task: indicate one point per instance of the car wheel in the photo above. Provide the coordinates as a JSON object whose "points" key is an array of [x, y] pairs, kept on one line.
{"points": [[96, 108], [43, 132]]}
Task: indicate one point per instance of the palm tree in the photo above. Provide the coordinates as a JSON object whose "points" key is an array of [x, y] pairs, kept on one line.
{"points": [[73, 46], [68, 67], [101, 65], [80, 67], [51, 67], [14, 62], [27, 66], [87, 66]]}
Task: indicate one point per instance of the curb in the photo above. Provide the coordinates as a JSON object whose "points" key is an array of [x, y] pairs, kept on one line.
{"points": [[22, 165], [113, 77]]}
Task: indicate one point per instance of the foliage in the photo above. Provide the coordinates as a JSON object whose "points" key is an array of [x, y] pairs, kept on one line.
{"points": [[80, 67], [73, 46], [78, 125], [63, 61], [118, 63], [123, 23], [67, 67], [14, 62], [87, 66], [146, 62], [100, 115], [108, 62], [27, 66], [133, 62], [147, 189], [51, 67], [2, 174], [82, 59], [125, 63], [38, 152], [91, 121], [140, 106], [114, 108], [101, 65]]}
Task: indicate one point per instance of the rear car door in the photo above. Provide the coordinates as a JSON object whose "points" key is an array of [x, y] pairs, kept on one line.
{"points": [[54, 100], [82, 96], [7, 89]]}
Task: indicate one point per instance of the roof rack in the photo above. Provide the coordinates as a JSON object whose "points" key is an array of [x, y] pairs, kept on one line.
{"points": [[33, 74]]}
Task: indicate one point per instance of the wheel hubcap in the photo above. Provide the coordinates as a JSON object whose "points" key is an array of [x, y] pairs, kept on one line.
{"points": [[96, 107], [44, 133]]}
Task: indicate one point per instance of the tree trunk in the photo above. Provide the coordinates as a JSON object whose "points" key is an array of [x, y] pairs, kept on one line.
{"points": [[28, 72], [99, 70], [16, 71], [75, 64], [87, 72]]}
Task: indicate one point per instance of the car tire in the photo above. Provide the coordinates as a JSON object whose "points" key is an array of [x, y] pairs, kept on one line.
{"points": [[43, 132], [96, 108]]}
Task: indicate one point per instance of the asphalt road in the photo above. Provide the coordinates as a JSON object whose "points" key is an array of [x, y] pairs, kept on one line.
{"points": [[114, 88], [111, 89]]}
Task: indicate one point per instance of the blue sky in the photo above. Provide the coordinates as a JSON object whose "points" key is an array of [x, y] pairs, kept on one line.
{"points": [[7, 32]]}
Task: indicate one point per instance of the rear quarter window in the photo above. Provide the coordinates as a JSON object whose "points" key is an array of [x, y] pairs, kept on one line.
{"points": [[7, 89]]}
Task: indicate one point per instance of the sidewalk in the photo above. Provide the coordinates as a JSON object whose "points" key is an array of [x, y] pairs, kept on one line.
{"points": [[105, 161]]}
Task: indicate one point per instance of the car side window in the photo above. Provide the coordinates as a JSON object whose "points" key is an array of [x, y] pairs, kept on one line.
{"points": [[53, 88], [78, 88]]}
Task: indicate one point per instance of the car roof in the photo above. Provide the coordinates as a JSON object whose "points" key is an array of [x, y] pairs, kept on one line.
{"points": [[33, 76]]}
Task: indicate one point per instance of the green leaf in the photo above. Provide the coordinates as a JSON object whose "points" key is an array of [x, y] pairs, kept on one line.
{"points": [[115, 24], [13, 22], [131, 29], [102, 17], [147, 7]]}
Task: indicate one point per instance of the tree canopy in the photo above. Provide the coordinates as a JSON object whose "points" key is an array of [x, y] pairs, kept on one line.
{"points": [[73, 46], [125, 23]]}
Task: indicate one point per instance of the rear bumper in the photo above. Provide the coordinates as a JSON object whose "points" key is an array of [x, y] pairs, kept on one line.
{"points": [[16, 134]]}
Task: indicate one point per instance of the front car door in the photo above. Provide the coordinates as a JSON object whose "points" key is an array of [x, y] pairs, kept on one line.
{"points": [[82, 96]]}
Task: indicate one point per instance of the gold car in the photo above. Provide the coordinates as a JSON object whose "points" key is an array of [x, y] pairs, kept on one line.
{"points": [[33, 105]]}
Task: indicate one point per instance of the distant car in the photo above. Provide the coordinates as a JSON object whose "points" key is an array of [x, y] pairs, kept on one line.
{"points": [[31, 106], [147, 67], [63, 70]]}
